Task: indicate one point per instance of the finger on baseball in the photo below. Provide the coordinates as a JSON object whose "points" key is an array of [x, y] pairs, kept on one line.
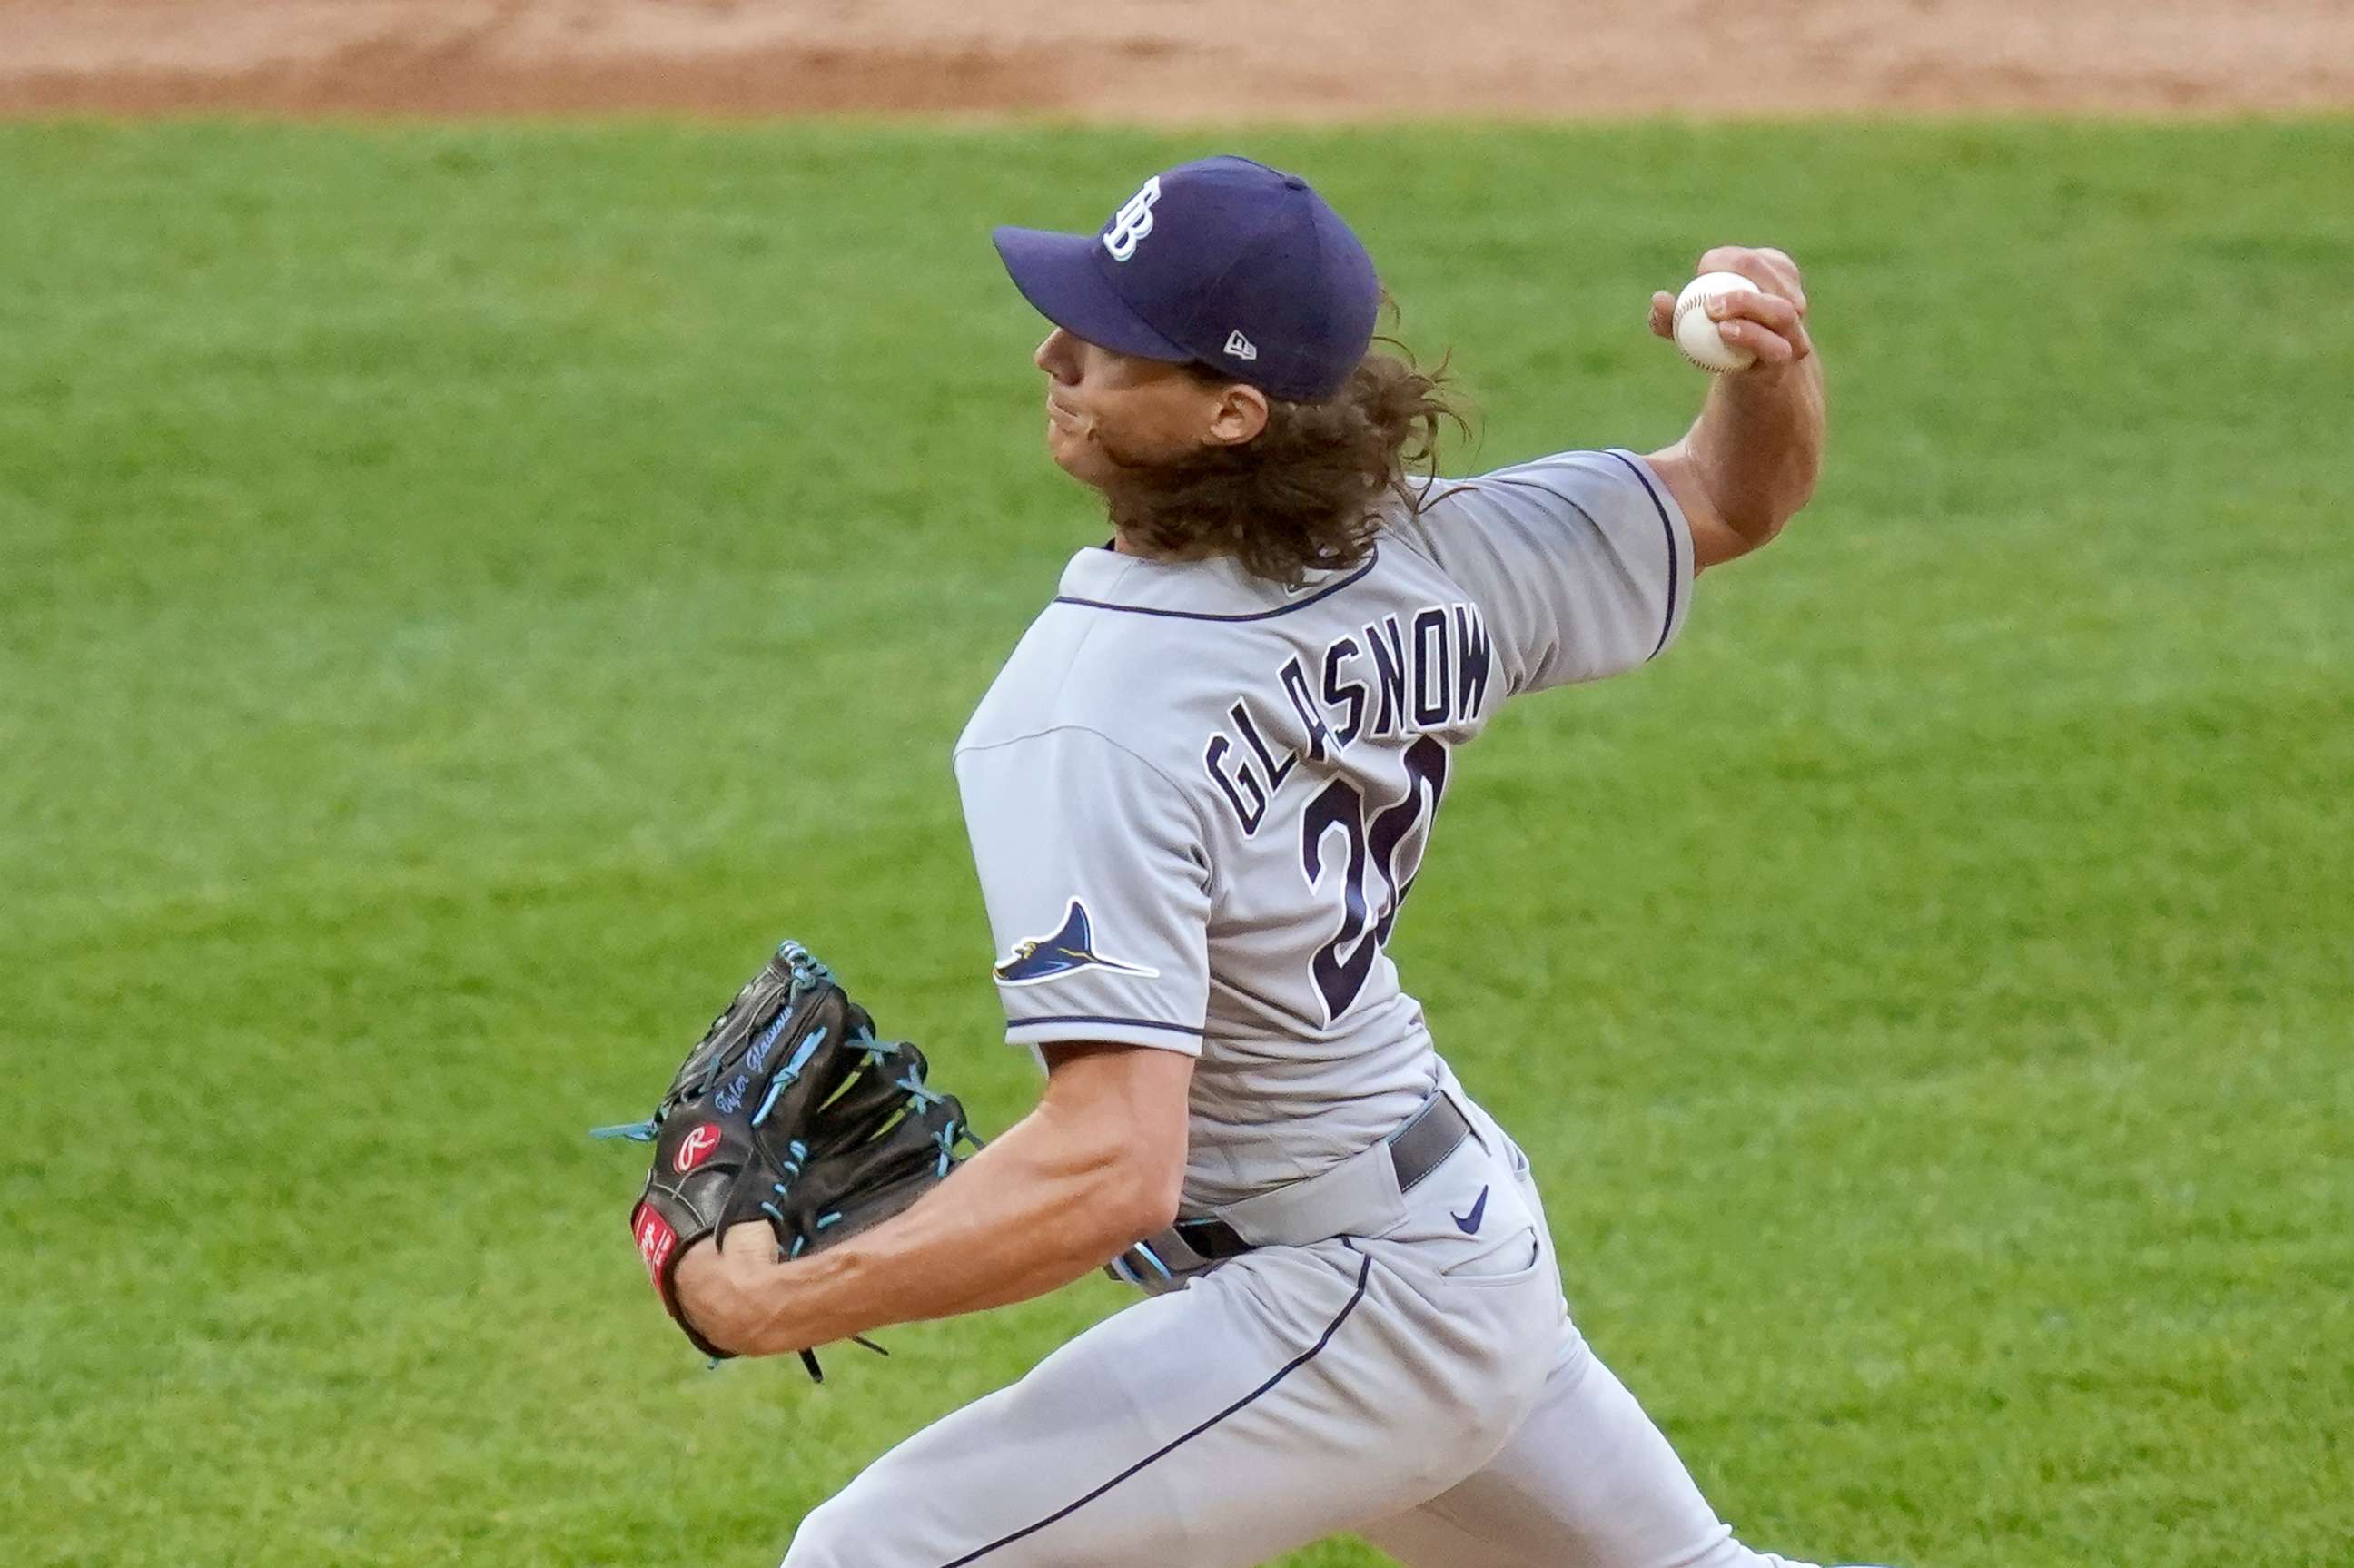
{"points": [[1663, 315], [1762, 262], [1775, 348], [1771, 271], [1784, 271], [1770, 346], [1767, 310]]}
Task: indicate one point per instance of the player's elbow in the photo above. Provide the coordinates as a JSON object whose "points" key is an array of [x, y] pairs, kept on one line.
{"points": [[1157, 1169], [1137, 1194], [1749, 519], [1758, 526], [1158, 1186], [1120, 1112], [1113, 1184], [1758, 509]]}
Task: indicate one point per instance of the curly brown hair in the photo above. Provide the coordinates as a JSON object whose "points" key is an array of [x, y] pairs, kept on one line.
{"points": [[1306, 494]]}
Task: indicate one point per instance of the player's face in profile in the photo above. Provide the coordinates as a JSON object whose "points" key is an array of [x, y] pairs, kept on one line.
{"points": [[1108, 411]]}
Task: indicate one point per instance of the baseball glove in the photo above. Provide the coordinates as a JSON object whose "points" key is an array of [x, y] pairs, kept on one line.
{"points": [[790, 1110]]}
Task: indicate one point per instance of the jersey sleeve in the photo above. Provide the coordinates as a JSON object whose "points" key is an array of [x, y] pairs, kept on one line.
{"points": [[1581, 563], [1097, 888]]}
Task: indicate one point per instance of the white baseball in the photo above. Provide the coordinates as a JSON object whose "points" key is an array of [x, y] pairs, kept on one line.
{"points": [[1696, 332]]}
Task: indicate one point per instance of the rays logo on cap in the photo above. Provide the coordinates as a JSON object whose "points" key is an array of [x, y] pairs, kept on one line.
{"points": [[1072, 947], [1132, 222]]}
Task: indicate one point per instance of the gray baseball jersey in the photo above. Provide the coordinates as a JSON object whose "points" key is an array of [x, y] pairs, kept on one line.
{"points": [[1198, 801]]}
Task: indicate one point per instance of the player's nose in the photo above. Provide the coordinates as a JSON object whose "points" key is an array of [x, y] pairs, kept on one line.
{"points": [[1055, 356]]}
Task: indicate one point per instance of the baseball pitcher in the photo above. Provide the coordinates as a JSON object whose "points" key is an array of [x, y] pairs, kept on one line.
{"points": [[1198, 796]]}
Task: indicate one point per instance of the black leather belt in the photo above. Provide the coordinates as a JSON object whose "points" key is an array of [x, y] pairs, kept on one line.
{"points": [[1416, 1149]]}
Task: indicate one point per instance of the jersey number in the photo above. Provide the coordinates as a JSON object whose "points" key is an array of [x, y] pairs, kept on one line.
{"points": [[1388, 840]]}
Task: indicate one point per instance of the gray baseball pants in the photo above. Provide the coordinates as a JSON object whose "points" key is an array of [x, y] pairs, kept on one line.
{"points": [[1422, 1386]]}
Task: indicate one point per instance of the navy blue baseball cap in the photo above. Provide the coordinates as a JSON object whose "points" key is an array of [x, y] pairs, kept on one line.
{"points": [[1226, 263]]}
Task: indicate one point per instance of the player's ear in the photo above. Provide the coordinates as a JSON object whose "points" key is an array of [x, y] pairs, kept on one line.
{"points": [[1239, 415]]}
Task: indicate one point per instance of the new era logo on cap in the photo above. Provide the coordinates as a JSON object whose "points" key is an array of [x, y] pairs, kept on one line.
{"points": [[1223, 262]]}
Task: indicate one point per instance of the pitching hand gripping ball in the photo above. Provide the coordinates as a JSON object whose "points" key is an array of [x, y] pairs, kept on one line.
{"points": [[1695, 329]]}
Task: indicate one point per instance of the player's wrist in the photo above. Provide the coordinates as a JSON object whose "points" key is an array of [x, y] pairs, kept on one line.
{"points": [[712, 1297], [810, 1301]]}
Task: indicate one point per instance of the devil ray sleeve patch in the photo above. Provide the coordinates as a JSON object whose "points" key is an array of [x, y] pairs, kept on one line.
{"points": [[1071, 945], [1092, 869]]}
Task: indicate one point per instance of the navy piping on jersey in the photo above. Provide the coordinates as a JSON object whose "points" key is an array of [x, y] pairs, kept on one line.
{"points": [[1669, 529], [1325, 592], [1294, 1364], [1093, 1018]]}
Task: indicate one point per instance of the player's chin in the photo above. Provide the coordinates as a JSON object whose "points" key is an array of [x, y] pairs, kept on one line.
{"points": [[1075, 454]]}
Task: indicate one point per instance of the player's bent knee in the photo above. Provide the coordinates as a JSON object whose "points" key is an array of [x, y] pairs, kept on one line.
{"points": [[870, 1523], [825, 1540]]}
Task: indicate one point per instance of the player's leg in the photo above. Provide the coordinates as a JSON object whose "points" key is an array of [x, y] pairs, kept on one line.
{"points": [[1285, 1395], [1587, 1481], [1426, 1539]]}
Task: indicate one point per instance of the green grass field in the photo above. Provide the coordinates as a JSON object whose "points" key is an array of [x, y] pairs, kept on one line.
{"points": [[465, 592]]}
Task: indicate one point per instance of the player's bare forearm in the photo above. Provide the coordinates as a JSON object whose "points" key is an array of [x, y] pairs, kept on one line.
{"points": [[1750, 461], [1067, 1188], [1757, 446], [1032, 1211]]}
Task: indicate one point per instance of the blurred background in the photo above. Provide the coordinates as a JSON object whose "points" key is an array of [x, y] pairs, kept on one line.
{"points": [[505, 507], [1164, 60]]}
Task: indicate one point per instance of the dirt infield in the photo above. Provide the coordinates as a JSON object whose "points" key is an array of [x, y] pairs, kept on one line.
{"points": [[1173, 59]]}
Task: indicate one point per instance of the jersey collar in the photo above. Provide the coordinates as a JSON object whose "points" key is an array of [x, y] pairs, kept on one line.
{"points": [[1217, 588]]}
